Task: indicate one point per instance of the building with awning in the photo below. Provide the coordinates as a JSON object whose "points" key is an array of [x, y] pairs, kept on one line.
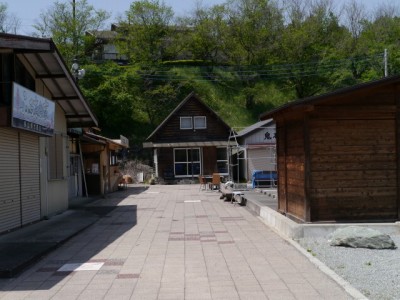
{"points": [[101, 160], [39, 102]]}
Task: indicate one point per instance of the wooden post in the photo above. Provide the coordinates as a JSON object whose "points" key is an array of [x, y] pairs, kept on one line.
{"points": [[397, 133], [307, 169], [281, 148]]}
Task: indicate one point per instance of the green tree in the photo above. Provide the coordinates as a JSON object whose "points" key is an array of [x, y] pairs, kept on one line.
{"points": [[309, 45], [67, 23], [380, 33], [255, 30], [110, 91], [208, 33], [144, 32]]}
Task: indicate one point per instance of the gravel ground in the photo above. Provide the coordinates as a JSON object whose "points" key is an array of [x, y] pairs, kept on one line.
{"points": [[375, 273]]}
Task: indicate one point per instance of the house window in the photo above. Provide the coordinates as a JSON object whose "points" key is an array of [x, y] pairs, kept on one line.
{"points": [[56, 156], [113, 158], [200, 122], [11, 69], [187, 161], [186, 123], [222, 160]]}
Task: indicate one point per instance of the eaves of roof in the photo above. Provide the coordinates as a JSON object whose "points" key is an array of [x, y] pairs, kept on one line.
{"points": [[320, 98], [44, 58]]}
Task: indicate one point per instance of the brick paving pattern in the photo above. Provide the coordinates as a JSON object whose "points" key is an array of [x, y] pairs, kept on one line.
{"points": [[174, 242]]}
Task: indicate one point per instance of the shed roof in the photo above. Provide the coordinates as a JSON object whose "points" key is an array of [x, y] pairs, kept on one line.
{"points": [[104, 139], [303, 103], [44, 58], [253, 127]]}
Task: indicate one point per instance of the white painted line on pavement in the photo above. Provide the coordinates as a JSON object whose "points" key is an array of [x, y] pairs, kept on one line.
{"points": [[81, 267]]}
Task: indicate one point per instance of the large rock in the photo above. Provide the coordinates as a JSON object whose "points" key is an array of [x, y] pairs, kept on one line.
{"points": [[361, 237]]}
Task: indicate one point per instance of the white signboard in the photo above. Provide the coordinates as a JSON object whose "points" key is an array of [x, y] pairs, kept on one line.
{"points": [[124, 140], [31, 111]]}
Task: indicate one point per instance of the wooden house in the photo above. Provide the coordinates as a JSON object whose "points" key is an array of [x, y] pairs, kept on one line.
{"points": [[339, 154], [101, 158], [103, 46], [39, 102], [191, 141]]}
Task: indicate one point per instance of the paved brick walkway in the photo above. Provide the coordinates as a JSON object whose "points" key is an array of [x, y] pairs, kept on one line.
{"points": [[173, 242]]}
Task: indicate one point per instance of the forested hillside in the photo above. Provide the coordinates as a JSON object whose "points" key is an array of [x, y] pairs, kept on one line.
{"points": [[243, 57]]}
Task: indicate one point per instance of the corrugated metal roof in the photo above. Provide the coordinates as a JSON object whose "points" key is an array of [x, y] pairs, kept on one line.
{"points": [[46, 61], [253, 127], [105, 139]]}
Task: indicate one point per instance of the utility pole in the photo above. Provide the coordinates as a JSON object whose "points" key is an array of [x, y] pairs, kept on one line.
{"points": [[385, 62], [74, 38]]}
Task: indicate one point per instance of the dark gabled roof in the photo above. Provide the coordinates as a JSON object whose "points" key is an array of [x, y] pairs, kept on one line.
{"points": [[315, 99], [253, 127], [190, 96], [43, 56]]}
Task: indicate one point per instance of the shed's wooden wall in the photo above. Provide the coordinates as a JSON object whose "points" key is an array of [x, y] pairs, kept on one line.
{"points": [[291, 158], [353, 170], [339, 156]]}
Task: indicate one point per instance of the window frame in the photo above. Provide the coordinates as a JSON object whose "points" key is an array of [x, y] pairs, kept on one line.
{"points": [[199, 117], [186, 128], [226, 161], [188, 162]]}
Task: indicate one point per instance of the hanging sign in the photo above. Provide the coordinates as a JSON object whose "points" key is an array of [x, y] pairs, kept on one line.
{"points": [[124, 140], [32, 112]]}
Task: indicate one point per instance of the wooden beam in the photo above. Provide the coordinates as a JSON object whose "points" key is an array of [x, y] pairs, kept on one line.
{"points": [[397, 96], [65, 98], [51, 76], [284, 137]]}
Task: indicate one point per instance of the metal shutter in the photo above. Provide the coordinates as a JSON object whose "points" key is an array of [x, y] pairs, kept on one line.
{"points": [[10, 213], [30, 177], [261, 159]]}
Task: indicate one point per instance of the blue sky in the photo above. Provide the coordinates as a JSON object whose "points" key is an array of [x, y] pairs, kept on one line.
{"points": [[29, 10]]}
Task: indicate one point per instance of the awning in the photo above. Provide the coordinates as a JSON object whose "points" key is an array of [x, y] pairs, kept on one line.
{"points": [[48, 65]]}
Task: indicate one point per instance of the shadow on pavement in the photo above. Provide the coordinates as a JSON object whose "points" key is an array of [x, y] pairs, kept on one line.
{"points": [[21, 248]]}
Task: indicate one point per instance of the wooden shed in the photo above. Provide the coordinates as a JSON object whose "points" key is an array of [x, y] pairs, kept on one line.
{"points": [[338, 154]]}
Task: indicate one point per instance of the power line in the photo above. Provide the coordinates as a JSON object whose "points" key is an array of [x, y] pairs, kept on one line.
{"points": [[274, 71]]}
